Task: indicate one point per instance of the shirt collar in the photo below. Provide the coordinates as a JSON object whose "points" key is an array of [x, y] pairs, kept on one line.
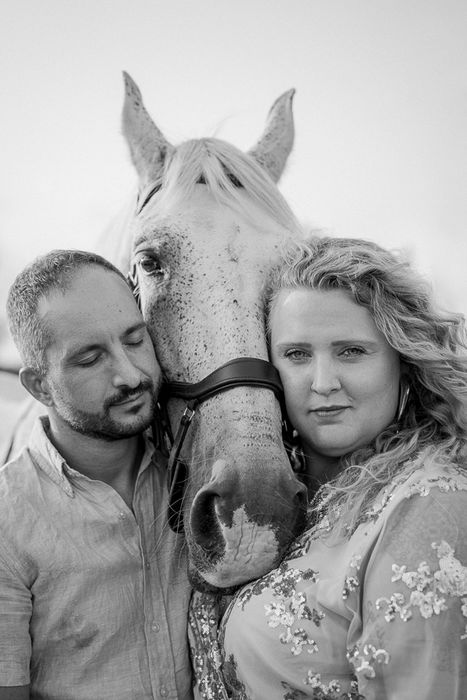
{"points": [[47, 457]]}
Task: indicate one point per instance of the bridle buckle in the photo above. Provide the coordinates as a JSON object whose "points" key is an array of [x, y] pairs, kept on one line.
{"points": [[188, 413]]}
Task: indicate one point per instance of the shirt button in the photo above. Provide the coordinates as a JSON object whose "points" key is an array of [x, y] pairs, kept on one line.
{"points": [[122, 516], [155, 627], [163, 691]]}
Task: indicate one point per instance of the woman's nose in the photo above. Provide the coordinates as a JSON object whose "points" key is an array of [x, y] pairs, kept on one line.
{"points": [[324, 377]]}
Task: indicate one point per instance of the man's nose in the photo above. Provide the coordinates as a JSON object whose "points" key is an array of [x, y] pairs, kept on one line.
{"points": [[124, 372], [324, 376]]}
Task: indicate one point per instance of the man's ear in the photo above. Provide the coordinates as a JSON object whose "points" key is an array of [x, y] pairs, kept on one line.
{"points": [[36, 384]]}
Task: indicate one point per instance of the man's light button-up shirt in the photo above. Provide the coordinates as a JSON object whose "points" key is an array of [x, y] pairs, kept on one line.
{"points": [[85, 580]]}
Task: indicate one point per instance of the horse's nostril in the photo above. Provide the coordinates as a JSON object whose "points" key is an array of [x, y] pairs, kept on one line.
{"points": [[204, 521]]}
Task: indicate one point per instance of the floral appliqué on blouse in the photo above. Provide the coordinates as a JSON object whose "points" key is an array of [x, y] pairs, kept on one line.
{"points": [[429, 590]]}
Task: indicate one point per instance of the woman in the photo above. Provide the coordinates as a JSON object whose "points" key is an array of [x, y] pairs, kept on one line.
{"points": [[371, 601]]}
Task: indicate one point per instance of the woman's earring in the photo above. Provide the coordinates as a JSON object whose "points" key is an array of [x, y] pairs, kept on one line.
{"points": [[404, 391], [297, 460], [292, 446]]}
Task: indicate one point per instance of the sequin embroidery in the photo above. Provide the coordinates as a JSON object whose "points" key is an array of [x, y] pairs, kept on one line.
{"points": [[429, 590]]}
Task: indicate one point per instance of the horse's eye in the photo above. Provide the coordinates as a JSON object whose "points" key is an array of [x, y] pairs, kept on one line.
{"points": [[149, 264]]}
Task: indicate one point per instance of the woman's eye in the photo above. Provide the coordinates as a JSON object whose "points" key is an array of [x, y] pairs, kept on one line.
{"points": [[353, 352], [295, 354]]}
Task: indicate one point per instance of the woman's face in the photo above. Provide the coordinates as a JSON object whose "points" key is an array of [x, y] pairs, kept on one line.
{"points": [[340, 375]]}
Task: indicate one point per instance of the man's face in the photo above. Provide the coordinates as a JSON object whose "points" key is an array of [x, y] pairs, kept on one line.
{"points": [[102, 374]]}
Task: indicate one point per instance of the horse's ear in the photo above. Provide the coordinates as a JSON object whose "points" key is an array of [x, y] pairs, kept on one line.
{"points": [[275, 145], [148, 146]]}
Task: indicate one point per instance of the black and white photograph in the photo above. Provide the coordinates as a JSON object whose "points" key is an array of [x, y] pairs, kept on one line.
{"points": [[233, 351]]}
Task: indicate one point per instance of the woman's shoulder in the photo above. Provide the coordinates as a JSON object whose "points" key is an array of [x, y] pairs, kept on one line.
{"points": [[430, 474]]}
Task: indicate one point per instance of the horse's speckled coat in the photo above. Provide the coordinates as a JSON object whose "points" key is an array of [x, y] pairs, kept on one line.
{"points": [[201, 252]]}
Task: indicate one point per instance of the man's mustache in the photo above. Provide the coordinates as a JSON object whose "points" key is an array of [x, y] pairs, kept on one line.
{"points": [[126, 394]]}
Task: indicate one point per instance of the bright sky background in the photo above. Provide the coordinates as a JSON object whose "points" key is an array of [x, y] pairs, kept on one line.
{"points": [[380, 114]]}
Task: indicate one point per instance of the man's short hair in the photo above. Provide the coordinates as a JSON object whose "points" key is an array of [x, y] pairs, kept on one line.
{"points": [[53, 271]]}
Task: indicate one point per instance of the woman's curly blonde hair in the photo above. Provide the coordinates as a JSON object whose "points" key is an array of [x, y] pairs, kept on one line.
{"points": [[432, 347]]}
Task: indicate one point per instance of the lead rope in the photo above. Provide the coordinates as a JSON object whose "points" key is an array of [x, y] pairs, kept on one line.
{"points": [[177, 471]]}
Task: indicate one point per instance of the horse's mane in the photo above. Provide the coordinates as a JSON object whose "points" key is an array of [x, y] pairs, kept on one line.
{"points": [[228, 173]]}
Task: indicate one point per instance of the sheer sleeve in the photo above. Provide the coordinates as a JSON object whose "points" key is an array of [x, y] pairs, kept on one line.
{"points": [[414, 603]]}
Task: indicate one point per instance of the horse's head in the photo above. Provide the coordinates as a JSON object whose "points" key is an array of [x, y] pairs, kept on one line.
{"points": [[208, 223]]}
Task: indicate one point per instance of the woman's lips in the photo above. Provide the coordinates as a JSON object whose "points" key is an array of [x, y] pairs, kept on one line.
{"points": [[327, 411]]}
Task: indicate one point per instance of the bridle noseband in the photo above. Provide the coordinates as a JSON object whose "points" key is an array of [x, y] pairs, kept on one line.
{"points": [[243, 371]]}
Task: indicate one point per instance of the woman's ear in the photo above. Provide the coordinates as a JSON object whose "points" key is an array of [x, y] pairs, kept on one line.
{"points": [[36, 384]]}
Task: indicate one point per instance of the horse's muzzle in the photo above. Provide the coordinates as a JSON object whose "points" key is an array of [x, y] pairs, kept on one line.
{"points": [[236, 536]]}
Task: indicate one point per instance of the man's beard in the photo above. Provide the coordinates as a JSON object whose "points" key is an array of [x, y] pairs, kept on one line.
{"points": [[102, 425]]}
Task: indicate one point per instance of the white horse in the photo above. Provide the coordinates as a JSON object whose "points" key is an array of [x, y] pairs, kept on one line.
{"points": [[208, 222]]}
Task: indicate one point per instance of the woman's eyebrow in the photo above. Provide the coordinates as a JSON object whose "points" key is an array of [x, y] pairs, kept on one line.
{"points": [[335, 343], [288, 343], [355, 341]]}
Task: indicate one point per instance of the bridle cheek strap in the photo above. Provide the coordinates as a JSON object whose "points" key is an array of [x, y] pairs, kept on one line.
{"points": [[243, 371], [177, 470]]}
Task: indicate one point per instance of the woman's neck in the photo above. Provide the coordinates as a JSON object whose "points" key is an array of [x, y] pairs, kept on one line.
{"points": [[319, 468]]}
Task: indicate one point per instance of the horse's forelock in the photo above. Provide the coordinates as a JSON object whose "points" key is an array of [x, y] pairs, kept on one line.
{"points": [[217, 164], [221, 166]]}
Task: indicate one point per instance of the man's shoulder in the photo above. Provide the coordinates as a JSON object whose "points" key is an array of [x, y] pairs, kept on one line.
{"points": [[18, 475], [20, 499], [26, 472], [22, 460]]}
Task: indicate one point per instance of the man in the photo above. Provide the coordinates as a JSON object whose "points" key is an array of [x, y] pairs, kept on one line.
{"points": [[93, 585]]}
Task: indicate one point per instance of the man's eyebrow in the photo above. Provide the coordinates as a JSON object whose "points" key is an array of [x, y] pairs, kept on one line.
{"points": [[83, 349], [135, 327]]}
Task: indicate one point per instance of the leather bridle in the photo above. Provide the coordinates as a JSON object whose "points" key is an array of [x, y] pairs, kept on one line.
{"points": [[243, 371]]}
